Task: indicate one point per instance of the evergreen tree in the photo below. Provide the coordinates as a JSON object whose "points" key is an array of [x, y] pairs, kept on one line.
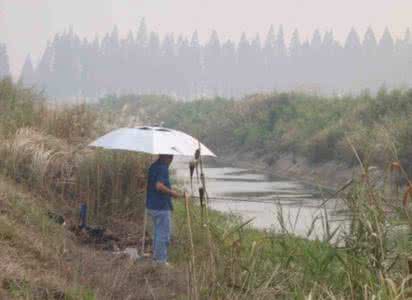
{"points": [[269, 59], [127, 63], [269, 47], [386, 44], [4, 62], [280, 68], [212, 63], [27, 75], [257, 64], [168, 65], [295, 44], [154, 63], [280, 46], [330, 52], [386, 59], [295, 60], [44, 70], [370, 44], [141, 58], [351, 61], [352, 43], [245, 64], [194, 65], [228, 69], [316, 42]]}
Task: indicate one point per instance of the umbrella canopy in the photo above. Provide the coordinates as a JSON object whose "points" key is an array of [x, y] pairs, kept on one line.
{"points": [[152, 140]]}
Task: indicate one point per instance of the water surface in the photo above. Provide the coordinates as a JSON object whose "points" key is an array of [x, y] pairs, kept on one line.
{"points": [[273, 203]]}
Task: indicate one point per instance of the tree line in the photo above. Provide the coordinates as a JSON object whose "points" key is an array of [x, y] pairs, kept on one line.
{"points": [[143, 63]]}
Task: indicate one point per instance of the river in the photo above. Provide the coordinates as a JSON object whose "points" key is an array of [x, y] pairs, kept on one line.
{"points": [[268, 200]]}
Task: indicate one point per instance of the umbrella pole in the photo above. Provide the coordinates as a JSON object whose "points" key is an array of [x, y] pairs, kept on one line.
{"points": [[143, 242]]}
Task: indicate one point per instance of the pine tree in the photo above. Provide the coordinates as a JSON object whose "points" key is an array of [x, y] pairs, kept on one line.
{"points": [[154, 63], [369, 45], [228, 68], [142, 36], [212, 62], [27, 75], [257, 64], [295, 44], [141, 57], [195, 66], [351, 61], [330, 52], [4, 62], [386, 53], [168, 64], [295, 60], [269, 58], [245, 60], [352, 43], [316, 42], [280, 46], [386, 44], [44, 70], [270, 44]]}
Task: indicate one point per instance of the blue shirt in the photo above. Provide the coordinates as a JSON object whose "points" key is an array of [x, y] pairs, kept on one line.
{"points": [[156, 200]]}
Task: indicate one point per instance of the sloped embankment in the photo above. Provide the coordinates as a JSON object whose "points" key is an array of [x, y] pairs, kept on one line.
{"points": [[42, 259]]}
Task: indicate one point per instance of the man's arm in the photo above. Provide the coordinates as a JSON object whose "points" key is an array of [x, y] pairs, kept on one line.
{"points": [[164, 189]]}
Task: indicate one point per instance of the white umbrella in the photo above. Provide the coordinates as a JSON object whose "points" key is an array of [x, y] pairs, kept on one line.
{"points": [[152, 140]]}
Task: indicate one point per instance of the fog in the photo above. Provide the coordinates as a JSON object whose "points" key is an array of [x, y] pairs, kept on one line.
{"points": [[27, 25]]}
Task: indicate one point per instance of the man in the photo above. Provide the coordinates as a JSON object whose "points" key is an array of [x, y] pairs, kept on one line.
{"points": [[159, 205]]}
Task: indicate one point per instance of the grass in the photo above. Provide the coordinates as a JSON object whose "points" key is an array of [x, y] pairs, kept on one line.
{"points": [[369, 263]]}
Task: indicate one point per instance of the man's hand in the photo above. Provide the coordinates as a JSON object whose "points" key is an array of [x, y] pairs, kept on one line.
{"points": [[164, 189]]}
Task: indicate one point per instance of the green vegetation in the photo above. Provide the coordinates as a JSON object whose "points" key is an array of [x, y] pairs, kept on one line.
{"points": [[367, 260], [313, 127]]}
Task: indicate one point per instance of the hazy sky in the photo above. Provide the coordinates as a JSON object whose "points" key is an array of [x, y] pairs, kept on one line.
{"points": [[26, 25]]}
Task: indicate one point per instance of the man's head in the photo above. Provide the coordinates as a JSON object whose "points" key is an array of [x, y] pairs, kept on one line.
{"points": [[166, 158]]}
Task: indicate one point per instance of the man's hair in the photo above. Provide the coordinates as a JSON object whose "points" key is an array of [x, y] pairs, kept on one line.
{"points": [[165, 156]]}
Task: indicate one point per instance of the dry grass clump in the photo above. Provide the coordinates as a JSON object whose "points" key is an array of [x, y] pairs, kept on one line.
{"points": [[75, 124], [110, 183], [19, 108], [35, 158], [44, 147]]}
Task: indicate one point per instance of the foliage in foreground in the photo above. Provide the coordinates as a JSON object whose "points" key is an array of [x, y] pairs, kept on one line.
{"points": [[365, 259]]}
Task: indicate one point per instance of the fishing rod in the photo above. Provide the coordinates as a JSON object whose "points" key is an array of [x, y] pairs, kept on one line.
{"points": [[243, 200]]}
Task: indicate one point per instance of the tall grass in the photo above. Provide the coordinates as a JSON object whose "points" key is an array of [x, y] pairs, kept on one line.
{"points": [[45, 148], [367, 261]]}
